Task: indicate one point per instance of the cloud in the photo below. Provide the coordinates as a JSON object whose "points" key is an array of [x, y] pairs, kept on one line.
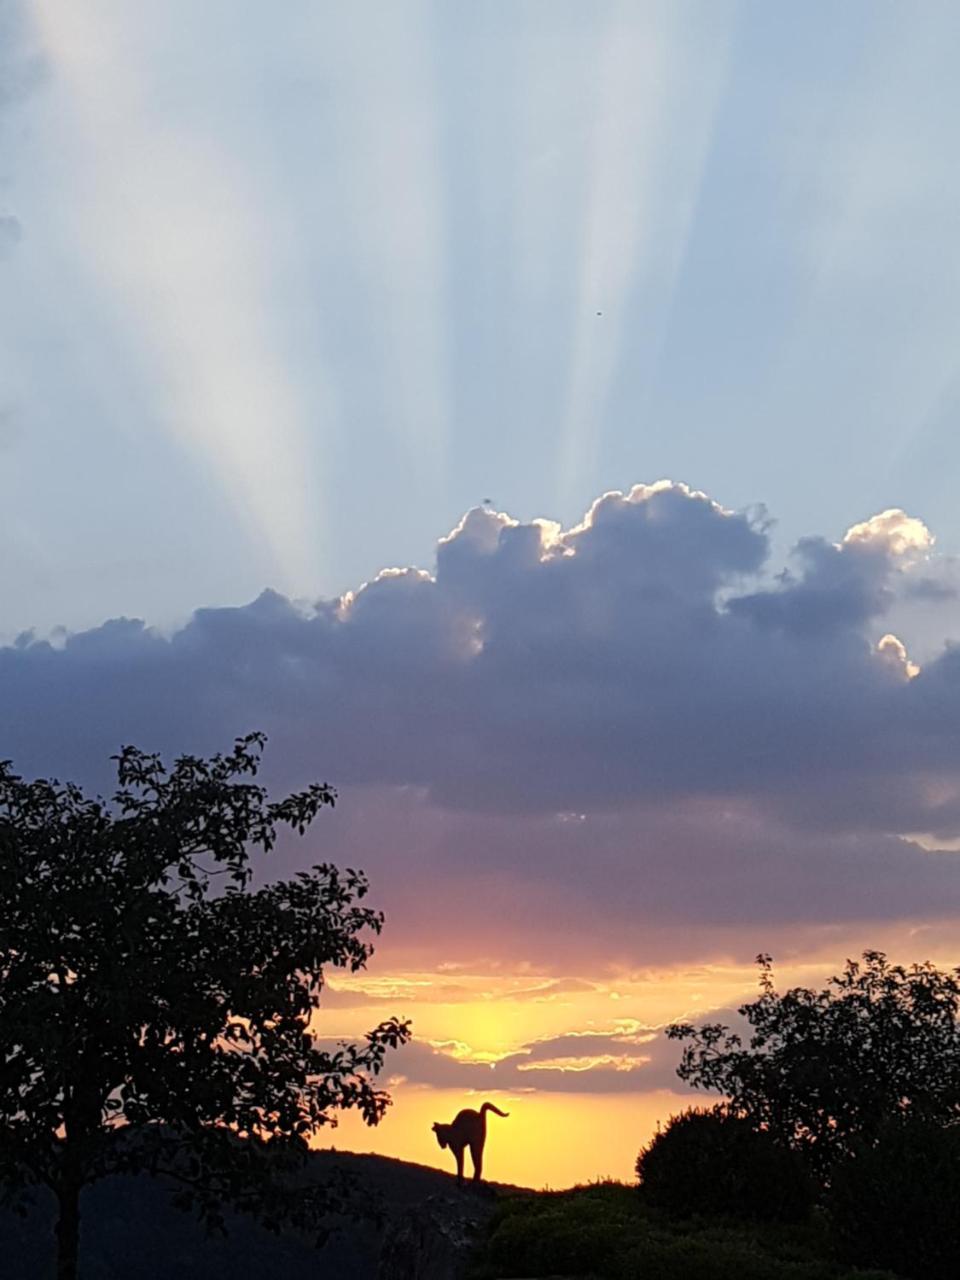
{"points": [[574, 732], [614, 663], [548, 991], [430, 991], [933, 590], [841, 586], [645, 884], [625, 1057]]}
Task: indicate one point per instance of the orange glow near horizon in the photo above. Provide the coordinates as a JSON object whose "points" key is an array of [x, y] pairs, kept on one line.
{"points": [[567, 1124], [553, 1137], [549, 1140]]}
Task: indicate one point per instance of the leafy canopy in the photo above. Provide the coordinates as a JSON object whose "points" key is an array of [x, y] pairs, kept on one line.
{"points": [[893, 1203], [155, 1008], [823, 1068]]}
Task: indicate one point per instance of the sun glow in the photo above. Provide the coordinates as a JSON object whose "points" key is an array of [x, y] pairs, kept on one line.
{"points": [[584, 1089], [895, 531], [617, 1062], [548, 1140]]}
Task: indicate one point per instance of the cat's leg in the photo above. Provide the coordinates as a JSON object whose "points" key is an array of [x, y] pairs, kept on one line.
{"points": [[459, 1154], [476, 1152]]}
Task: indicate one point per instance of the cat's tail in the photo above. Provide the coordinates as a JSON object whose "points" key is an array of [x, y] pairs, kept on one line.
{"points": [[488, 1106]]}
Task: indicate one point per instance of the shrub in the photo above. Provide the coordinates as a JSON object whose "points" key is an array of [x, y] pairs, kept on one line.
{"points": [[607, 1232], [714, 1162], [894, 1203], [824, 1070], [707, 1258]]}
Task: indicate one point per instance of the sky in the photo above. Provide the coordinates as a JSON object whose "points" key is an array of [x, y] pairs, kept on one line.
{"points": [[540, 419]]}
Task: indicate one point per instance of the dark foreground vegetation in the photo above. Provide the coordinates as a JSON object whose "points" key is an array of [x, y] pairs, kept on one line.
{"points": [[159, 1053], [841, 1106], [131, 1230], [416, 1225], [607, 1231], [835, 1151], [156, 1007]]}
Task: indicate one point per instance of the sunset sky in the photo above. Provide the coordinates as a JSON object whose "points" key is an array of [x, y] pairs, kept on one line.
{"points": [[344, 351]]}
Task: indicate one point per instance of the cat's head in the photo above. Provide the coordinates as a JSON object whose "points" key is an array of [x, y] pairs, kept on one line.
{"points": [[443, 1133]]}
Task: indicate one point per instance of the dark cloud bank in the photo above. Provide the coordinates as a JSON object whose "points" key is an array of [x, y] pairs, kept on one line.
{"points": [[627, 717]]}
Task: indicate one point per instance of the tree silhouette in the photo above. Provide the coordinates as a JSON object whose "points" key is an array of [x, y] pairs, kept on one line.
{"points": [[155, 1009], [893, 1202], [825, 1068]]}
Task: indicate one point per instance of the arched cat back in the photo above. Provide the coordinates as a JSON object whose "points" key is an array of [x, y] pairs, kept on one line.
{"points": [[467, 1129]]}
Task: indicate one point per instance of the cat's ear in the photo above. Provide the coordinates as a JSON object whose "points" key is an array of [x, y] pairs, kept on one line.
{"points": [[435, 1127]]}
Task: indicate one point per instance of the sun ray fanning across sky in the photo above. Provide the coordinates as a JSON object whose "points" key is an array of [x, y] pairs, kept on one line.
{"points": [[179, 237], [380, 62], [650, 70]]}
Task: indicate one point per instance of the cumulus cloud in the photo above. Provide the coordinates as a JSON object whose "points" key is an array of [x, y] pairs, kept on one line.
{"points": [[538, 669], [630, 716], [842, 586], [891, 533]]}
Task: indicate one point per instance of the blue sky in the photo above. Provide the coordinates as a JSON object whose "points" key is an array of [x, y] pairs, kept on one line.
{"points": [[284, 291]]}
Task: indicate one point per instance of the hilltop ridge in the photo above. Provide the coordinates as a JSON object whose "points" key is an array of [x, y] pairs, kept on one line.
{"points": [[131, 1231]]}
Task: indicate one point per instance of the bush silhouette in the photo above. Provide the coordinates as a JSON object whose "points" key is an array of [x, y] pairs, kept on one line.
{"points": [[606, 1231], [893, 1203], [715, 1162], [825, 1070]]}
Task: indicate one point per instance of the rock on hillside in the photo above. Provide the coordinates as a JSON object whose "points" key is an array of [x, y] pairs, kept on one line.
{"points": [[431, 1241]]}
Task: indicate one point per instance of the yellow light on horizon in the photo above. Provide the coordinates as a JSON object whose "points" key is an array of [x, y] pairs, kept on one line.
{"points": [[549, 1140]]}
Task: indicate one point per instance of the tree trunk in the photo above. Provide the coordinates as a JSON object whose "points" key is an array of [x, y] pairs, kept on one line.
{"points": [[68, 1230]]}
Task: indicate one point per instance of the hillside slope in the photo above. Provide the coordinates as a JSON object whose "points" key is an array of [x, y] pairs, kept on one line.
{"points": [[132, 1232]]}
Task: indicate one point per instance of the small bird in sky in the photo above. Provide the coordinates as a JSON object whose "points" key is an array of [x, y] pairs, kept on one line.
{"points": [[599, 313]]}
